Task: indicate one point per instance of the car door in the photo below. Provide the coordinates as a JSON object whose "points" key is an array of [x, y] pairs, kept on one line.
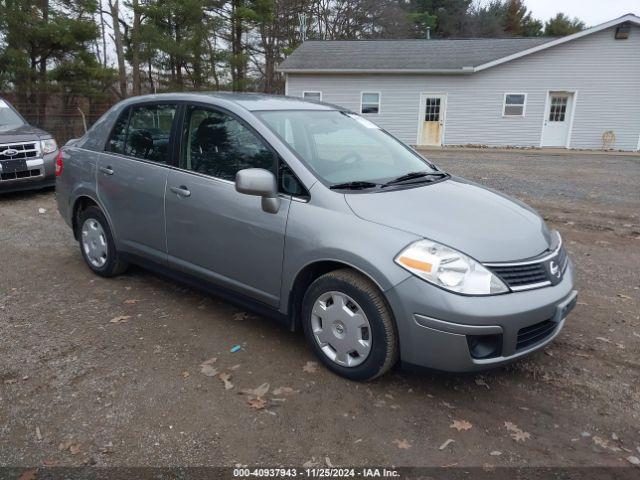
{"points": [[213, 231], [132, 175]]}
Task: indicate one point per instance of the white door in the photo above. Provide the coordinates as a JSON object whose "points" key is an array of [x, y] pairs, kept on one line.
{"points": [[557, 121], [432, 111]]}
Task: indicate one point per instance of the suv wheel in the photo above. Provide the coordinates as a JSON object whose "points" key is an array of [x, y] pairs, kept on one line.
{"points": [[97, 245], [349, 326]]}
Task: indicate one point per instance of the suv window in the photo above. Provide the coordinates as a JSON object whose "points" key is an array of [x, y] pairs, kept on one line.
{"points": [[143, 132], [217, 144]]}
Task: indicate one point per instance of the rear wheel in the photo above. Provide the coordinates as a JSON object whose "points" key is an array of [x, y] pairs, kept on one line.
{"points": [[97, 245], [349, 325]]}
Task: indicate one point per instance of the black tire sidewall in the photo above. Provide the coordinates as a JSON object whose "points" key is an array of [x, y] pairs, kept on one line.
{"points": [[372, 366], [109, 268]]}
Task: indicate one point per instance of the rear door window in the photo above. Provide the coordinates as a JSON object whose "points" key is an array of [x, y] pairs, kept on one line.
{"points": [[144, 132], [149, 132]]}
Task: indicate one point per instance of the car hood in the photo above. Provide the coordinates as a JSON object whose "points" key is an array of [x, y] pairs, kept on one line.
{"points": [[480, 222], [21, 133]]}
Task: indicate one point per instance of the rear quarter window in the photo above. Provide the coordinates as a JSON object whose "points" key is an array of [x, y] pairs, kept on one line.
{"points": [[119, 133]]}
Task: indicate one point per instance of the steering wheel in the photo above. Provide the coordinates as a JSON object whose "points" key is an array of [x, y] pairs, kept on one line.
{"points": [[350, 158]]}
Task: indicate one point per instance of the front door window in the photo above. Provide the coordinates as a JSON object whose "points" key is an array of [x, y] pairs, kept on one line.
{"points": [[219, 145]]}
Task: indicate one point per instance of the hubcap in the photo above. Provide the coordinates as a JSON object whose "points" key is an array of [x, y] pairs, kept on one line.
{"points": [[341, 329], [94, 242]]}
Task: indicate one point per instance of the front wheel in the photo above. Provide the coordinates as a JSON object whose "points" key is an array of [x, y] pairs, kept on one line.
{"points": [[349, 325], [97, 245]]}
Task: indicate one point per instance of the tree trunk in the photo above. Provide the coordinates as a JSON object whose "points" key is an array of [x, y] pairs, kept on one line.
{"points": [[42, 95], [104, 38], [237, 70], [135, 50], [117, 40]]}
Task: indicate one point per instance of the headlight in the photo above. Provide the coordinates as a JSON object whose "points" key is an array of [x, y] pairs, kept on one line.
{"points": [[48, 146], [449, 269]]}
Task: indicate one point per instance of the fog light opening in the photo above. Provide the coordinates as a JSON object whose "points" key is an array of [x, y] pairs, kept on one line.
{"points": [[485, 346]]}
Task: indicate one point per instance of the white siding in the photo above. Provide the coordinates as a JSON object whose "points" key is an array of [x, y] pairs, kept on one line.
{"points": [[604, 72]]}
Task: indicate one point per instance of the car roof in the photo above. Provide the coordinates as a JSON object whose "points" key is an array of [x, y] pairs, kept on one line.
{"points": [[248, 101]]}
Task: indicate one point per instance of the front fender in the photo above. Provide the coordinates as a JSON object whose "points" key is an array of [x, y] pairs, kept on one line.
{"points": [[318, 234]]}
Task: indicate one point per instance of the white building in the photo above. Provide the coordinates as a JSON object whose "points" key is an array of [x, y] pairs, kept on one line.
{"points": [[579, 91]]}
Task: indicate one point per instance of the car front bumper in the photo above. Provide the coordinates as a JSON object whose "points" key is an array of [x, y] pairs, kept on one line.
{"points": [[40, 173], [435, 326]]}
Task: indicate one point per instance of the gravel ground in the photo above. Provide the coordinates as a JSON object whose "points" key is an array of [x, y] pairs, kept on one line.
{"points": [[109, 371]]}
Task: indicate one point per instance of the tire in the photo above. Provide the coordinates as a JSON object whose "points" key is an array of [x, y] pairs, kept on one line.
{"points": [[95, 237], [331, 330]]}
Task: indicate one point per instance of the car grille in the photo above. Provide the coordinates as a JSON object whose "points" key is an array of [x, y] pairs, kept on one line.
{"points": [[533, 334], [19, 175], [522, 275], [530, 274], [25, 151]]}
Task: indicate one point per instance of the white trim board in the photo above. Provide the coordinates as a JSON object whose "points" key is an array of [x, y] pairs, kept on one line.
{"points": [[362, 92], [603, 26]]}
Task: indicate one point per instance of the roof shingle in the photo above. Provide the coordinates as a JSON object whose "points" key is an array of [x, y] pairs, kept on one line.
{"points": [[397, 55]]}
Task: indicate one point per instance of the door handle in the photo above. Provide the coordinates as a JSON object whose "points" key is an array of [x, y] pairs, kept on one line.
{"points": [[106, 170], [181, 191]]}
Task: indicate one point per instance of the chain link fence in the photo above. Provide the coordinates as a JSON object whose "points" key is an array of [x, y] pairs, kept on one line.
{"points": [[64, 120]]}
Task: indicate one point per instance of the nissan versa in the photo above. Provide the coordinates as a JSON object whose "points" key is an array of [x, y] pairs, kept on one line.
{"points": [[315, 215], [27, 154]]}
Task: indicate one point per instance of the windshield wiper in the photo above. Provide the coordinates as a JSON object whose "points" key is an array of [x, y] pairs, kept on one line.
{"points": [[358, 185], [412, 176]]}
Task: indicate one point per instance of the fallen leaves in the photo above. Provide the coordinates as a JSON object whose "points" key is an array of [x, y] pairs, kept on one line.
{"points": [[633, 460], [257, 403], [207, 368], [310, 367], [495, 453], [28, 474], [120, 319], [226, 380], [260, 391], [71, 446], [461, 425], [517, 434], [131, 301], [402, 444], [604, 443], [38, 433]]}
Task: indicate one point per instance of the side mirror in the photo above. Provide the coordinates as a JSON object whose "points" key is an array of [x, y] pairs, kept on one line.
{"points": [[260, 183]]}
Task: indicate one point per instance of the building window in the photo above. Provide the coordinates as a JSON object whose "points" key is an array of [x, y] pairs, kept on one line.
{"points": [[432, 110], [370, 102], [317, 96], [558, 108], [514, 104]]}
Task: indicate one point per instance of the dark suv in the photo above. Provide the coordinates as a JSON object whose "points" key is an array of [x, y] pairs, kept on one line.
{"points": [[27, 154]]}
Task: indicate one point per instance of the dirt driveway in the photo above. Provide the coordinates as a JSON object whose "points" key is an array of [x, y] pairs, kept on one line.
{"points": [[108, 372]]}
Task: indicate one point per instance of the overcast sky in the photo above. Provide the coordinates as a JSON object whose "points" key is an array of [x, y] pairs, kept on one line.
{"points": [[591, 12]]}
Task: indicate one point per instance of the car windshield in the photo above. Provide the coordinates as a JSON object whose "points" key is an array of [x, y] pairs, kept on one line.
{"points": [[8, 116], [344, 147]]}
